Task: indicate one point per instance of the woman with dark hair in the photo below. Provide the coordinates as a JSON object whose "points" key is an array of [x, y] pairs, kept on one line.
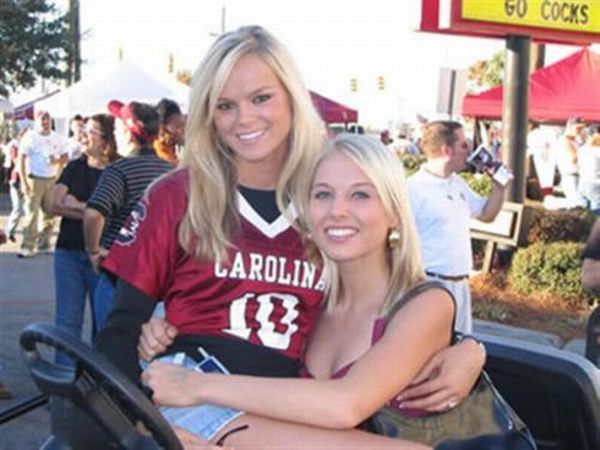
{"points": [[74, 276], [170, 130]]}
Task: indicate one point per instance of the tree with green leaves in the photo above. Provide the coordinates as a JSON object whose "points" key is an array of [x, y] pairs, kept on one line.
{"points": [[488, 73], [33, 43]]}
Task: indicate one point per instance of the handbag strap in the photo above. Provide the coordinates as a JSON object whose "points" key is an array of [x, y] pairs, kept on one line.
{"points": [[419, 289]]}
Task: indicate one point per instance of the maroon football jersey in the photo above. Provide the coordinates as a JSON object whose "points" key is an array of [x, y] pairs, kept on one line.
{"points": [[267, 294]]}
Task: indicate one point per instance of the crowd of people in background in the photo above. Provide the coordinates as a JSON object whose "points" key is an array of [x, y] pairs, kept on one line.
{"points": [[567, 164], [86, 177]]}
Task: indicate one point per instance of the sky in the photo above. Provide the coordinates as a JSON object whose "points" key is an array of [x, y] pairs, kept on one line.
{"points": [[332, 41]]}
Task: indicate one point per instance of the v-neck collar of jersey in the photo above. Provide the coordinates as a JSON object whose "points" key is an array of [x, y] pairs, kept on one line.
{"points": [[270, 230]]}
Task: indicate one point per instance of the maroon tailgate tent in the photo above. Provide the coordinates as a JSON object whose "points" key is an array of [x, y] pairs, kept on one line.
{"points": [[570, 87], [333, 112]]}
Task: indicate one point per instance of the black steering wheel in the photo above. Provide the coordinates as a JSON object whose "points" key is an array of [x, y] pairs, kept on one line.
{"points": [[96, 387]]}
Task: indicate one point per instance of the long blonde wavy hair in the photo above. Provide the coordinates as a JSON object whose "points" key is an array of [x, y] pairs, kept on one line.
{"points": [[386, 173], [212, 217]]}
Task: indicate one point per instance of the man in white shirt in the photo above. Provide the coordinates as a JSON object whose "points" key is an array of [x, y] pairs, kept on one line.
{"points": [[42, 155], [443, 205]]}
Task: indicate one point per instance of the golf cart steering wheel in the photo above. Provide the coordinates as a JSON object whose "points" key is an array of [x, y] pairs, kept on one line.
{"points": [[97, 388]]}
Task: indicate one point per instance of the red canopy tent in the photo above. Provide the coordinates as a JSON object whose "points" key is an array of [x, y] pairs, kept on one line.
{"points": [[25, 111], [333, 112], [570, 87]]}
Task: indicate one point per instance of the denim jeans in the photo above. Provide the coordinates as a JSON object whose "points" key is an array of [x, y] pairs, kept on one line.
{"points": [[17, 201], [104, 300], [204, 420], [75, 280]]}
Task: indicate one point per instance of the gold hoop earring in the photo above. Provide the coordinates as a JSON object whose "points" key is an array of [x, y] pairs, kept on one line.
{"points": [[394, 238]]}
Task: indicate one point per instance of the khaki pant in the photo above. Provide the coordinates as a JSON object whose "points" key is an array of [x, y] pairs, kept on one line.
{"points": [[40, 199]]}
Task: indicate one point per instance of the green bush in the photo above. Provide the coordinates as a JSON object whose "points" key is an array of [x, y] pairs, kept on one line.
{"points": [[412, 163], [552, 269], [572, 225], [482, 184]]}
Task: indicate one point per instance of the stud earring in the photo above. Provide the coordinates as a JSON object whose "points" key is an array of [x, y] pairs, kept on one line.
{"points": [[394, 238]]}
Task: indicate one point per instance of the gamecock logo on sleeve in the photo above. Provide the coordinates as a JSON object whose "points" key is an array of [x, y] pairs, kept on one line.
{"points": [[128, 233]]}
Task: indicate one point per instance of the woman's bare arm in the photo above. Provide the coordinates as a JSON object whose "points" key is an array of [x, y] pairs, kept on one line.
{"points": [[64, 204], [420, 329]]}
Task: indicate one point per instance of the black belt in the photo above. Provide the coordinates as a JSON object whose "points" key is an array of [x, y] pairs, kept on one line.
{"points": [[37, 177], [447, 277]]}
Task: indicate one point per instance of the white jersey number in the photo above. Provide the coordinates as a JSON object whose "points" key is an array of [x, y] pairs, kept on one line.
{"points": [[267, 331]]}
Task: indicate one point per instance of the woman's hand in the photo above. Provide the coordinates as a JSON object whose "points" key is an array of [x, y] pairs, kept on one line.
{"points": [[192, 442], [157, 335], [70, 201], [96, 258], [171, 384], [446, 379]]}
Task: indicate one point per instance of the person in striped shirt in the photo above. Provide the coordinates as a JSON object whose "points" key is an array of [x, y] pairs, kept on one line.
{"points": [[119, 189]]}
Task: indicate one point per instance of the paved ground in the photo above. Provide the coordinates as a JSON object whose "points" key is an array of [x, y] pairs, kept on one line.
{"points": [[27, 295]]}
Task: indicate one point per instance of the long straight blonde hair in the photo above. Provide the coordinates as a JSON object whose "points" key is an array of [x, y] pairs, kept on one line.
{"points": [[386, 173], [212, 217]]}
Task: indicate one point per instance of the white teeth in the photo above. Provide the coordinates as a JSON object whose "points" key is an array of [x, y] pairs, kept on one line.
{"points": [[248, 136], [340, 232]]}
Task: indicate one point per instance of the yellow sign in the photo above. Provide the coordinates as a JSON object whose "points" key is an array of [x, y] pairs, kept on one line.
{"points": [[568, 15]]}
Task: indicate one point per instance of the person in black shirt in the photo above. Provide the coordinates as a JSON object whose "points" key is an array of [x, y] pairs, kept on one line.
{"points": [[74, 277]]}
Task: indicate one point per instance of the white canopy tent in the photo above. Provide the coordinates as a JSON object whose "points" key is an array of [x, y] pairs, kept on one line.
{"points": [[124, 82], [6, 106]]}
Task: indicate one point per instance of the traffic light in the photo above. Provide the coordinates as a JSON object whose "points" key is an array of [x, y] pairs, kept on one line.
{"points": [[381, 83], [353, 84]]}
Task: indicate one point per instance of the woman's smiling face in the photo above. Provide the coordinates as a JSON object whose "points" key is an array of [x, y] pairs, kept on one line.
{"points": [[254, 118], [347, 218]]}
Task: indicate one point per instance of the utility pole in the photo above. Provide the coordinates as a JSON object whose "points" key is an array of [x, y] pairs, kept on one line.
{"points": [[538, 54], [74, 62], [171, 64], [222, 19], [223, 15]]}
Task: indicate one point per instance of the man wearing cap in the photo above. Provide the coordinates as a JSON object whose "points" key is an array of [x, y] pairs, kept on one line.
{"points": [[42, 155], [443, 205], [119, 190]]}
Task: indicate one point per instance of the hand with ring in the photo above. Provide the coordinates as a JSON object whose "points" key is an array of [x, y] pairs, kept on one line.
{"points": [[446, 379], [451, 403]]}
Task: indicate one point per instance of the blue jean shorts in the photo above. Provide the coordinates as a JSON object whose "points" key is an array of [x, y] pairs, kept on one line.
{"points": [[205, 420]]}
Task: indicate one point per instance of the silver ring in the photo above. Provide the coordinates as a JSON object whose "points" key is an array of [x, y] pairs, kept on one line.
{"points": [[451, 404]]}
